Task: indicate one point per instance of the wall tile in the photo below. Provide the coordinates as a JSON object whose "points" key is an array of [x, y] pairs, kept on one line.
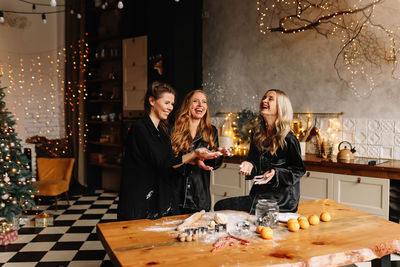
{"points": [[374, 125], [387, 138], [396, 153], [360, 137], [374, 151], [348, 136], [349, 125], [397, 139], [374, 138], [387, 126], [397, 126], [361, 150], [361, 125], [386, 152]]}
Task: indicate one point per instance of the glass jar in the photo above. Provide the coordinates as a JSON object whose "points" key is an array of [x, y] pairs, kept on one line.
{"points": [[267, 212]]}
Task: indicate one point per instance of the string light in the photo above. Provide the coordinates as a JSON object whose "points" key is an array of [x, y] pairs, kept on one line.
{"points": [[44, 18], [120, 5], [361, 45], [1, 17], [53, 3]]}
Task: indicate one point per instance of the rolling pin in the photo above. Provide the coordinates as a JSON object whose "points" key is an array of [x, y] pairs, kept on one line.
{"points": [[190, 220]]}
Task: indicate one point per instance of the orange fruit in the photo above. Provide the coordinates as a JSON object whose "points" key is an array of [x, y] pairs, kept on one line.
{"points": [[325, 216], [259, 228], [304, 224], [313, 219], [291, 221], [267, 233], [293, 226], [302, 218]]}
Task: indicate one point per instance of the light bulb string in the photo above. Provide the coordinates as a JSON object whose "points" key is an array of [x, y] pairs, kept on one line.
{"points": [[32, 13], [37, 4]]}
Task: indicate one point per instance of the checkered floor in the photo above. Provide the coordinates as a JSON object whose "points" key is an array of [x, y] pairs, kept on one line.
{"points": [[72, 241]]}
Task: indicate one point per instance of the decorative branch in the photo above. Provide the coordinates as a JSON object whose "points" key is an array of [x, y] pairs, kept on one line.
{"points": [[367, 46]]}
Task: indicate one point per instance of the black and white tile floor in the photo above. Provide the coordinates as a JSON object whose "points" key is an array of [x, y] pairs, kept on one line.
{"points": [[73, 241]]}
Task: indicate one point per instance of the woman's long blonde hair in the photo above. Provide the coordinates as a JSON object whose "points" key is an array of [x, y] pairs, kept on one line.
{"points": [[281, 128], [181, 138]]}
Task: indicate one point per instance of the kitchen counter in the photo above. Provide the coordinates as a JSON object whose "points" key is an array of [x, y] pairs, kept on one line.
{"points": [[389, 169], [350, 237]]}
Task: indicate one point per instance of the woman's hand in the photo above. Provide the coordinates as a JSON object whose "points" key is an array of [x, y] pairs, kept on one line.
{"points": [[203, 166], [203, 153], [226, 151], [245, 168], [265, 178]]}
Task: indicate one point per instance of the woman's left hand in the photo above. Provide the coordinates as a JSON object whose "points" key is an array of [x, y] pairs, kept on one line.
{"points": [[203, 166], [265, 178], [226, 151]]}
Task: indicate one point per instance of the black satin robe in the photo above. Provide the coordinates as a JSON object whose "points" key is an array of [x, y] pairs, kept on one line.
{"points": [[289, 168], [146, 189], [284, 186], [192, 191]]}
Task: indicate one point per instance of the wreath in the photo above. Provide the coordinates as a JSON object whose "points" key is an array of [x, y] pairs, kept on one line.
{"points": [[243, 124]]}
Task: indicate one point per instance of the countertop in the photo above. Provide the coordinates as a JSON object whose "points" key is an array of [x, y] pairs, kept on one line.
{"points": [[389, 169]]}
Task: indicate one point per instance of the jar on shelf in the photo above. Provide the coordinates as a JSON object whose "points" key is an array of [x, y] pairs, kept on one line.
{"points": [[267, 212]]}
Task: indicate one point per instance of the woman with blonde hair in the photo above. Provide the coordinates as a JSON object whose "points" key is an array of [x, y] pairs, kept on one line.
{"points": [[193, 130], [274, 159]]}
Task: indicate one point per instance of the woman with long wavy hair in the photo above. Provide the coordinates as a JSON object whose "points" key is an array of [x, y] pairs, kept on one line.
{"points": [[274, 159], [193, 130]]}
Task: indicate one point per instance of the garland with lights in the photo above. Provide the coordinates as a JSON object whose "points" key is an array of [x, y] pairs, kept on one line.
{"points": [[17, 188], [243, 124], [365, 45]]}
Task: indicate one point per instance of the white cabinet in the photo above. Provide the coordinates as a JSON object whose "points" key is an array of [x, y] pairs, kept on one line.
{"points": [[363, 193], [316, 185], [226, 182], [367, 194]]}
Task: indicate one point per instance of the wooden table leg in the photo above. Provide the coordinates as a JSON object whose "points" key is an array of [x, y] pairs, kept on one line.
{"points": [[382, 262]]}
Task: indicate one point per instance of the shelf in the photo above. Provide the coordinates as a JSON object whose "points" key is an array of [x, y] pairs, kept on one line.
{"points": [[106, 165], [105, 59], [103, 38], [104, 101], [103, 80], [104, 122], [104, 144]]}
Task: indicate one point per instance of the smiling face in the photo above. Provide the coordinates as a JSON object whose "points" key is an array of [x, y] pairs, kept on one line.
{"points": [[163, 106], [198, 107], [269, 105]]}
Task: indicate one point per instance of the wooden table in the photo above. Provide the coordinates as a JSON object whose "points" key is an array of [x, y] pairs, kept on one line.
{"points": [[352, 236]]}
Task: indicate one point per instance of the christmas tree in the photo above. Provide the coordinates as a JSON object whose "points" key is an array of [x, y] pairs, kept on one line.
{"points": [[17, 188]]}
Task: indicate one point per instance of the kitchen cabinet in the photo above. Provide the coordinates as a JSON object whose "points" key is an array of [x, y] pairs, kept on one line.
{"points": [[226, 182], [316, 185], [363, 193], [368, 194]]}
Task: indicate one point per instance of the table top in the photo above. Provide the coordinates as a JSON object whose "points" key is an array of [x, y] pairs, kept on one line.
{"points": [[351, 236]]}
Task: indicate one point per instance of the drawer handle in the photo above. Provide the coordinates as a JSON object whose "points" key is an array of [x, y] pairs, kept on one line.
{"points": [[133, 64], [308, 174], [358, 180], [133, 88], [225, 194]]}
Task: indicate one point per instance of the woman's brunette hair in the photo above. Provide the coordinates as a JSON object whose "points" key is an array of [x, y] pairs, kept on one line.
{"points": [[155, 90], [271, 143], [181, 138]]}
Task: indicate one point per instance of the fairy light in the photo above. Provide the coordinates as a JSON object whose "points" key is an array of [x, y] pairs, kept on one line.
{"points": [[345, 22], [45, 71]]}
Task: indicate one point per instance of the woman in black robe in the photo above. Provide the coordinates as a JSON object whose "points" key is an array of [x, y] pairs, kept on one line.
{"points": [[193, 130], [274, 159], [146, 190]]}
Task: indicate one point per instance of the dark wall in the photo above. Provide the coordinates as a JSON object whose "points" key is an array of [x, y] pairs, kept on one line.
{"points": [[174, 30]]}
